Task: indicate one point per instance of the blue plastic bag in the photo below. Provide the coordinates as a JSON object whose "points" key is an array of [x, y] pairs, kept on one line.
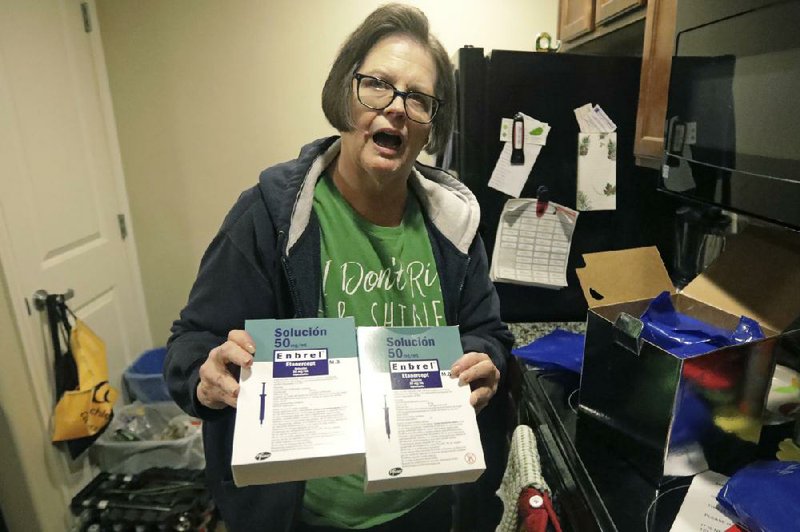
{"points": [[558, 349], [763, 497], [685, 336]]}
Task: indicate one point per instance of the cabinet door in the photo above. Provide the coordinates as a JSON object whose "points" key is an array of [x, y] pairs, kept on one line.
{"points": [[608, 9], [659, 43], [576, 18]]}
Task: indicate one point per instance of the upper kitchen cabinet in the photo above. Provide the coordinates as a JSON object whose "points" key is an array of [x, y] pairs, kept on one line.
{"points": [[629, 27], [605, 10], [576, 18], [659, 43], [581, 21]]}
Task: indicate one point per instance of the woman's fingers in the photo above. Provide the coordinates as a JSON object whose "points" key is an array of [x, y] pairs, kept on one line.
{"points": [[218, 387], [477, 370]]}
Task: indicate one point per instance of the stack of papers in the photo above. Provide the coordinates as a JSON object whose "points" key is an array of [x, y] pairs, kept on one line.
{"points": [[532, 247], [510, 179], [592, 119]]}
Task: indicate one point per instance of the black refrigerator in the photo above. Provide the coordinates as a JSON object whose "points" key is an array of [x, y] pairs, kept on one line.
{"points": [[548, 87]]}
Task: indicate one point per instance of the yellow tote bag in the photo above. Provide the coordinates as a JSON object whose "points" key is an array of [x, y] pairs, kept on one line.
{"points": [[82, 411]]}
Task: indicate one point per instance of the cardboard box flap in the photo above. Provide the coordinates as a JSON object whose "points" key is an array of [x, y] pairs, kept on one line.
{"points": [[756, 276], [617, 276]]}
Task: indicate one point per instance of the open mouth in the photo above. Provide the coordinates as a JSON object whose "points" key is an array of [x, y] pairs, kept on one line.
{"points": [[387, 140]]}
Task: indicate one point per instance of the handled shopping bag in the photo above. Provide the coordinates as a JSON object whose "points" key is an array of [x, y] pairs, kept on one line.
{"points": [[85, 398]]}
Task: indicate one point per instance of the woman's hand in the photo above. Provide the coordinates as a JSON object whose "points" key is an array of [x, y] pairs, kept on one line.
{"points": [[477, 370], [218, 387]]}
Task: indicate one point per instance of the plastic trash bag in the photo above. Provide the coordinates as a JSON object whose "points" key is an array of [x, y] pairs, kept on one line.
{"points": [[145, 435], [558, 349], [763, 496]]}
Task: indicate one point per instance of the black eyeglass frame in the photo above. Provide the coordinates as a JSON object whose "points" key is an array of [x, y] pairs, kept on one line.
{"points": [[403, 94]]}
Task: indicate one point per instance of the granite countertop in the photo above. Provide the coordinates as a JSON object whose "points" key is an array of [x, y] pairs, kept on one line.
{"points": [[527, 332]]}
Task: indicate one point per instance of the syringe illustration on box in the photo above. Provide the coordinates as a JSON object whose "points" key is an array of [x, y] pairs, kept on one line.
{"points": [[299, 405]]}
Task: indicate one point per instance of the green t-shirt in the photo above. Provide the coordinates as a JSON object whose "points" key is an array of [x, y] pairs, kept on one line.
{"points": [[382, 276]]}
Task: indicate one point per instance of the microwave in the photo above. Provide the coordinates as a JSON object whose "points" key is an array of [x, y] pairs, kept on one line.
{"points": [[732, 130]]}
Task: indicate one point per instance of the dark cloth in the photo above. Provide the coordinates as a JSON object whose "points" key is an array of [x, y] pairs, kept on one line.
{"points": [[434, 514], [265, 263]]}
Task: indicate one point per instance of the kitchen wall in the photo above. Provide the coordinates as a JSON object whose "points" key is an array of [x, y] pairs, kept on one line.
{"points": [[208, 93]]}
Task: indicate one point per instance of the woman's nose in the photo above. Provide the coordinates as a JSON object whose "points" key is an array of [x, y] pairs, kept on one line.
{"points": [[397, 105]]}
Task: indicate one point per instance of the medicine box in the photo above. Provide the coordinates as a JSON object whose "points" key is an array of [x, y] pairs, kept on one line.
{"points": [[299, 405], [420, 427]]}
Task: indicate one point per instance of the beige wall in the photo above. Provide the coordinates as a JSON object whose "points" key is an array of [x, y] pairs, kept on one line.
{"points": [[207, 93]]}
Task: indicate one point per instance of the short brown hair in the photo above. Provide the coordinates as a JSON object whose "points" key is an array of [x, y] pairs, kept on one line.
{"points": [[390, 19]]}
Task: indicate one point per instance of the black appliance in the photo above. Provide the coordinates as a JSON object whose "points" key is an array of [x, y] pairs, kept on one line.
{"points": [[548, 87], [595, 488], [732, 117]]}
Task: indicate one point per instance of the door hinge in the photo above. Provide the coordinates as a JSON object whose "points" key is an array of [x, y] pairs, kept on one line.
{"points": [[123, 226], [87, 17]]}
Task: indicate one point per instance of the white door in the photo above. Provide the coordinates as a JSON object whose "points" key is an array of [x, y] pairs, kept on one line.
{"points": [[61, 196]]}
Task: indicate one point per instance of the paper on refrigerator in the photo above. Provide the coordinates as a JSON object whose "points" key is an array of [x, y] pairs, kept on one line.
{"points": [[420, 427], [535, 132], [532, 245], [299, 408], [509, 178], [593, 119], [597, 171], [597, 160]]}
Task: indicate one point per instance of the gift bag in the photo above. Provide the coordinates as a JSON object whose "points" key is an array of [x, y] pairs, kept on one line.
{"points": [[85, 398]]}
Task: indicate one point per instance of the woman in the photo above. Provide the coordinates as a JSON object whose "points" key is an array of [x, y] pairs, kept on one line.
{"points": [[290, 245]]}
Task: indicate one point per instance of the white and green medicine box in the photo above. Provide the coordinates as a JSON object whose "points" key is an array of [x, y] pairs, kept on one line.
{"points": [[299, 406], [419, 425]]}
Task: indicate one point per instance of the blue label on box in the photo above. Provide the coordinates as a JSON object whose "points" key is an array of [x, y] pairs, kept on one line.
{"points": [[415, 374], [337, 335], [300, 363]]}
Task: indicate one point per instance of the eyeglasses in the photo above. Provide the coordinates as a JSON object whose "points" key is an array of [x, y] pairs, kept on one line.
{"points": [[377, 94]]}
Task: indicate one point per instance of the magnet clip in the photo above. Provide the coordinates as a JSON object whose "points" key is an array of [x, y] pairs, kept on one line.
{"points": [[542, 200]]}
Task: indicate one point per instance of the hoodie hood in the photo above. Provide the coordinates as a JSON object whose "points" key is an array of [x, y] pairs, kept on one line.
{"points": [[449, 204]]}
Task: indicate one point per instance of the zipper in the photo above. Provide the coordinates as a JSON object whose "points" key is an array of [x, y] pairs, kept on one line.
{"points": [[464, 276], [461, 287], [289, 279]]}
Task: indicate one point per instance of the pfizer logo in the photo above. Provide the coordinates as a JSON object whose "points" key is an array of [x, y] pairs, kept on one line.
{"points": [[260, 457], [395, 471]]}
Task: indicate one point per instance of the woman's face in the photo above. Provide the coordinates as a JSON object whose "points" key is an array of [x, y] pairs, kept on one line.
{"points": [[384, 144]]}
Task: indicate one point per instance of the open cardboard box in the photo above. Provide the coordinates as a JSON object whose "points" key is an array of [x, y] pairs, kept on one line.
{"points": [[673, 416]]}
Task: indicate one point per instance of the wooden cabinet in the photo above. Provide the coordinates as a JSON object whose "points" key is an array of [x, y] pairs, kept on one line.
{"points": [[607, 9], [576, 18], [659, 42], [627, 27], [583, 20]]}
